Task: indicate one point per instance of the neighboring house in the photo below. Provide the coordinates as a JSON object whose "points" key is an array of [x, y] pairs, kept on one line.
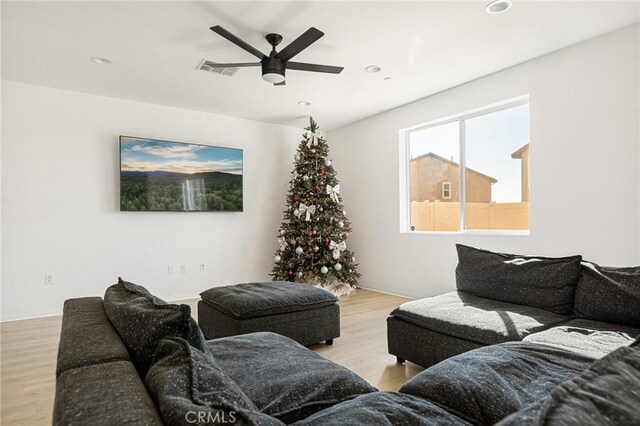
{"points": [[523, 155], [436, 178]]}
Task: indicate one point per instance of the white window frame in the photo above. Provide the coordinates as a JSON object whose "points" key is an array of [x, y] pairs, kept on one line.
{"points": [[448, 184], [405, 184]]}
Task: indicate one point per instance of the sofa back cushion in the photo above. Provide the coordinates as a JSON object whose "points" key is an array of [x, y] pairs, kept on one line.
{"points": [[87, 336], [547, 283], [188, 388], [142, 320], [609, 294]]}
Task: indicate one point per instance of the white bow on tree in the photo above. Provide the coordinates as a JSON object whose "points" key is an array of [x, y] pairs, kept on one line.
{"points": [[282, 242], [337, 248], [313, 137], [333, 191], [306, 210]]}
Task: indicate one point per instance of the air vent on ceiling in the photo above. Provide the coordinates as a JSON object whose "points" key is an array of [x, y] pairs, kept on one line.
{"points": [[205, 65]]}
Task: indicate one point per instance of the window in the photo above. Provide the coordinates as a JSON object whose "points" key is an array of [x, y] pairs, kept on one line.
{"points": [[446, 189], [470, 173]]}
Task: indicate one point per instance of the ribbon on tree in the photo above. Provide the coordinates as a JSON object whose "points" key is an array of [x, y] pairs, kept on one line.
{"points": [[306, 210], [313, 137], [333, 191], [282, 242], [337, 248]]}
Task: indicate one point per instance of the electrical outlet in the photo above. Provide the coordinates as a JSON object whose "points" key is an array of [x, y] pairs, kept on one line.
{"points": [[183, 269], [49, 279], [203, 267], [170, 269]]}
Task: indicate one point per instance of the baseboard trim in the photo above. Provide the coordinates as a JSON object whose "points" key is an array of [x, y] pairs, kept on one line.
{"points": [[386, 292]]}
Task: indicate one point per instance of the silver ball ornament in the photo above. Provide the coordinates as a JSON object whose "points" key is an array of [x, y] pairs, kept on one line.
{"points": [[299, 250], [337, 266], [324, 270], [327, 162]]}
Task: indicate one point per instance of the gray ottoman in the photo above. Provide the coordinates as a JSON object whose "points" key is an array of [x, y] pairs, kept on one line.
{"points": [[299, 311]]}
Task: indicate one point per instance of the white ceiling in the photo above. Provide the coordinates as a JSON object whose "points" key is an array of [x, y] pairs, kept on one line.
{"points": [[426, 46]]}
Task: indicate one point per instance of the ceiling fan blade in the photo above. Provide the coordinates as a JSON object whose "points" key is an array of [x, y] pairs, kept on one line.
{"points": [[301, 66], [282, 83], [298, 45], [237, 41], [237, 65]]}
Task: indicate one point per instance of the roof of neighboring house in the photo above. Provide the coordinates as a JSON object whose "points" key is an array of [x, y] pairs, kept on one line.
{"points": [[437, 157], [518, 153]]}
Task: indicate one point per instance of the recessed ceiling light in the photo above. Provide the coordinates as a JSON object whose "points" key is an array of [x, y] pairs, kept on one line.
{"points": [[101, 61], [388, 78], [304, 103], [373, 68], [498, 6]]}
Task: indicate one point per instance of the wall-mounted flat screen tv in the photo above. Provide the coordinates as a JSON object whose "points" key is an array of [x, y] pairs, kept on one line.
{"points": [[158, 175]]}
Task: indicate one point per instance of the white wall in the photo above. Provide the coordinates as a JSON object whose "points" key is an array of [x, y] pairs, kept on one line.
{"points": [[60, 201], [585, 173]]}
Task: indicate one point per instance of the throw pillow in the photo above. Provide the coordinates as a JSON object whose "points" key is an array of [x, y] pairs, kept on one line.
{"points": [[189, 389], [142, 320]]}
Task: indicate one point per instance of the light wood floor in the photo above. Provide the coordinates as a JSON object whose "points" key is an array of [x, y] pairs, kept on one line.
{"points": [[28, 356]]}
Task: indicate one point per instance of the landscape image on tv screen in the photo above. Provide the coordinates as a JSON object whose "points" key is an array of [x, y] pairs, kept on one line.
{"points": [[158, 175]]}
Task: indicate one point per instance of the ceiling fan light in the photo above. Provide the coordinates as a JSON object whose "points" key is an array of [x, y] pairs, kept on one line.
{"points": [[272, 77]]}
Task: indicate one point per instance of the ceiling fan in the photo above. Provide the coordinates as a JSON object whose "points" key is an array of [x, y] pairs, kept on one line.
{"points": [[276, 63]]}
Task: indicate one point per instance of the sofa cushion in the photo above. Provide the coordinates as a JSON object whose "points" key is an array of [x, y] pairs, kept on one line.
{"points": [[487, 384], [87, 336], [283, 378], [477, 319], [251, 300], [383, 409], [609, 294], [594, 339], [543, 282], [107, 393], [142, 320], [186, 387], [607, 393]]}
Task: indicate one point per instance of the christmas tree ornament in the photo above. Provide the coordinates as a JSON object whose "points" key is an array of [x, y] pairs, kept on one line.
{"points": [[341, 224], [290, 272], [299, 274], [310, 249], [324, 270], [337, 266], [300, 171], [299, 250], [327, 162], [326, 241], [277, 259], [309, 234], [321, 172], [316, 248], [296, 212], [297, 156]]}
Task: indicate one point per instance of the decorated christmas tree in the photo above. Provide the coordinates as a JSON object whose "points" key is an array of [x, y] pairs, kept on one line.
{"points": [[313, 234]]}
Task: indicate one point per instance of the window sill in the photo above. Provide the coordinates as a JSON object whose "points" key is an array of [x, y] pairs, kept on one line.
{"points": [[469, 232]]}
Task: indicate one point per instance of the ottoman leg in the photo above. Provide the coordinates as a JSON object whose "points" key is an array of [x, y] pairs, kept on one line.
{"points": [[329, 342], [400, 360]]}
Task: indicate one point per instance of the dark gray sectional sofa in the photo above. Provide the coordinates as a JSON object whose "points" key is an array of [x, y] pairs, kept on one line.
{"points": [[107, 376], [563, 302]]}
